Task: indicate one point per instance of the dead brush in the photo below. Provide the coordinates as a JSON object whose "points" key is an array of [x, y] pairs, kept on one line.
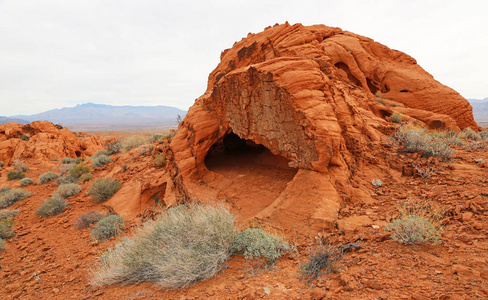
{"points": [[424, 172]]}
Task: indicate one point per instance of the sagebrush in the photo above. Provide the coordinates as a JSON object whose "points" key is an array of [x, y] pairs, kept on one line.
{"points": [[11, 196], [103, 188], [109, 226], [85, 220], [46, 177], [68, 190], [55, 205], [255, 242]]}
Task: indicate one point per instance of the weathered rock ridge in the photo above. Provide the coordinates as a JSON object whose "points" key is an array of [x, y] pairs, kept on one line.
{"points": [[319, 97]]}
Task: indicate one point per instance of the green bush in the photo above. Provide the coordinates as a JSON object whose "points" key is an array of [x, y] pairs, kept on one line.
{"points": [[14, 175], [113, 147], [6, 230], [79, 170], [107, 227], [24, 137], [133, 141], [26, 181], [13, 195], [396, 118], [85, 220], [55, 205], [100, 161], [46, 177], [68, 190], [160, 160], [183, 246], [70, 160], [413, 229], [103, 188], [8, 213], [86, 177], [254, 242]]}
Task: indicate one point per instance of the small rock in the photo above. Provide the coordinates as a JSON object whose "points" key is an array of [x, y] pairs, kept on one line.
{"points": [[55, 290], [318, 294], [375, 226], [467, 216]]}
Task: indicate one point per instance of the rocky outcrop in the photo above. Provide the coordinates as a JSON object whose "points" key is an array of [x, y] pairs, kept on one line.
{"points": [[42, 140]]}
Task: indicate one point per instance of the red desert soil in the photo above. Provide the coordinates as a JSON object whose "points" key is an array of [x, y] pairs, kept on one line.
{"points": [[319, 103]]}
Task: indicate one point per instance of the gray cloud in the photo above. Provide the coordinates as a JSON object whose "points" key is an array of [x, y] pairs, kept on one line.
{"points": [[56, 53]]}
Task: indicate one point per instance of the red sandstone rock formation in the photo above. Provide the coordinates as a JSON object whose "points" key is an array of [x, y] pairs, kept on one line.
{"points": [[317, 96], [46, 142]]}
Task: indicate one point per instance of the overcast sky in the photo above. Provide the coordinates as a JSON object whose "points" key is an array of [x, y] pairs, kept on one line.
{"points": [[58, 53]]}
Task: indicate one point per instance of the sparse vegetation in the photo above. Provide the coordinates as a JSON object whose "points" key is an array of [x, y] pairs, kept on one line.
{"points": [[113, 147], [26, 181], [85, 220], [46, 177], [4, 189], [160, 160], [6, 230], [109, 226], [8, 213], [103, 188], [86, 177], [55, 205], [20, 166], [132, 142], [183, 246], [2, 164], [24, 137], [145, 150], [68, 178], [156, 138], [255, 242], [100, 161], [323, 259], [14, 175], [11, 196], [418, 222], [78, 170], [396, 118], [68, 190], [70, 160], [376, 182], [424, 172], [2, 245]]}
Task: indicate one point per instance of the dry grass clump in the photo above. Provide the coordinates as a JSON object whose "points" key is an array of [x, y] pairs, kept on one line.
{"points": [[6, 230], [14, 175], [68, 190], [133, 141], [103, 188], [55, 205], [26, 181], [100, 161], [2, 244], [20, 166], [109, 226], [255, 242], [78, 170], [184, 245], [46, 177], [156, 138], [85, 220], [70, 160], [86, 177], [160, 160], [418, 222], [113, 147], [8, 213], [396, 118], [11, 196]]}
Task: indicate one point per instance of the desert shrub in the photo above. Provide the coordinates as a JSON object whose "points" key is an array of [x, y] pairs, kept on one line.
{"points": [[24, 137], [99, 153], [6, 230], [13, 195], [2, 244], [14, 175], [8, 213], [85, 220], [470, 134], [424, 172], [79, 170], [483, 135], [2, 164], [20, 166], [70, 160], [4, 189], [68, 178], [100, 161], [396, 118], [109, 226], [376, 182], [255, 242], [113, 147], [103, 188], [323, 259], [86, 177], [455, 140], [46, 177], [145, 150], [26, 181], [183, 246], [418, 141], [413, 230], [156, 138], [55, 205], [132, 142], [68, 190], [160, 160], [64, 168]]}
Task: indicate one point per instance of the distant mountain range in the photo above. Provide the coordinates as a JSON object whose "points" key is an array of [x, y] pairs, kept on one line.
{"points": [[90, 116], [480, 109]]}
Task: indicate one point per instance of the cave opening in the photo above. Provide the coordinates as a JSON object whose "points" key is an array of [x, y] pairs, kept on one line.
{"points": [[247, 175]]}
